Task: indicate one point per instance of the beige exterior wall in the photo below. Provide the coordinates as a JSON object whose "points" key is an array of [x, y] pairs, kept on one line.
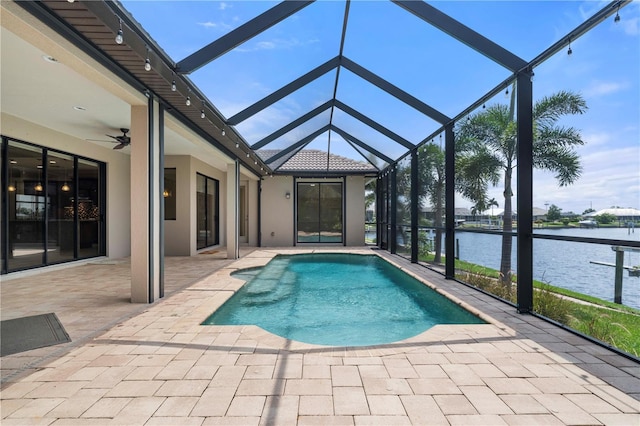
{"points": [[278, 218], [252, 204], [180, 234], [177, 233], [118, 219], [355, 215], [277, 212]]}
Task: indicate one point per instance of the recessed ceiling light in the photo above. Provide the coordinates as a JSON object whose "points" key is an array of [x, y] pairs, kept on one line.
{"points": [[52, 161], [79, 108], [50, 59], [13, 162], [39, 166]]}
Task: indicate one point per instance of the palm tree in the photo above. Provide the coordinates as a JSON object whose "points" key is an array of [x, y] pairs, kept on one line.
{"points": [[486, 149], [432, 186]]}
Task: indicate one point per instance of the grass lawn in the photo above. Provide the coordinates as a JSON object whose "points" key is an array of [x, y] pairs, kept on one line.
{"points": [[615, 324]]}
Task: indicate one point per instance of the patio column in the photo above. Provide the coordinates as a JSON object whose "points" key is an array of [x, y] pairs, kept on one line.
{"points": [[233, 189], [146, 275], [525, 191]]}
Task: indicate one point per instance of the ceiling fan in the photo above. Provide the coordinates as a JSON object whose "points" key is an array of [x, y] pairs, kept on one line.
{"points": [[122, 140]]}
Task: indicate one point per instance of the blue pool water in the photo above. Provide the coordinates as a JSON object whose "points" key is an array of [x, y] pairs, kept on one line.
{"points": [[338, 300]]}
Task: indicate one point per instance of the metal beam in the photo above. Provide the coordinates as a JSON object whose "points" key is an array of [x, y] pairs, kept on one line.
{"points": [[308, 116], [284, 91], [415, 194], [241, 34], [394, 91], [358, 149], [449, 202], [363, 145], [298, 144], [463, 34], [393, 213], [374, 125], [525, 192]]}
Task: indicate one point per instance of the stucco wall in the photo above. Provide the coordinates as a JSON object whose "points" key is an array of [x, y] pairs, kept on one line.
{"points": [[355, 215], [277, 212], [177, 233], [118, 219]]}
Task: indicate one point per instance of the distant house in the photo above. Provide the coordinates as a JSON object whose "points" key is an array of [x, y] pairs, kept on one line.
{"points": [[623, 214]]}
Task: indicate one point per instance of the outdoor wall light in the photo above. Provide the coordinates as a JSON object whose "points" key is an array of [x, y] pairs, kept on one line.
{"points": [[188, 101], [287, 195], [173, 86]]}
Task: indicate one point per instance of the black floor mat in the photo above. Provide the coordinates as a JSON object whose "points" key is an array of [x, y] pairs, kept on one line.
{"points": [[24, 334]]}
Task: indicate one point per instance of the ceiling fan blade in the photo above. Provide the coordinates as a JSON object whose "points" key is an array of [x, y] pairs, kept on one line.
{"points": [[100, 140], [120, 146]]}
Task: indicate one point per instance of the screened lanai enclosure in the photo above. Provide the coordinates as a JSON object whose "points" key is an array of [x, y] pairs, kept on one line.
{"points": [[469, 121]]}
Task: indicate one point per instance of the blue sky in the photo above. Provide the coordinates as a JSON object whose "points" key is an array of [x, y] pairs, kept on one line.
{"points": [[445, 74]]}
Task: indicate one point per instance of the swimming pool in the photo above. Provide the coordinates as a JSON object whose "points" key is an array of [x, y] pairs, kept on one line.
{"points": [[337, 299]]}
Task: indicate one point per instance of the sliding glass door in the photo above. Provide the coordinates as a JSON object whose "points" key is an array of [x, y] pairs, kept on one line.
{"points": [[207, 211], [319, 208], [52, 207], [26, 202]]}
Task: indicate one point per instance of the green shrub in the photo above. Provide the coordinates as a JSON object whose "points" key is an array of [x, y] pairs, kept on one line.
{"points": [[549, 304]]}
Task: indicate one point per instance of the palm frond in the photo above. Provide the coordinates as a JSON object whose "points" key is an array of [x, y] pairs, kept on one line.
{"points": [[550, 109]]}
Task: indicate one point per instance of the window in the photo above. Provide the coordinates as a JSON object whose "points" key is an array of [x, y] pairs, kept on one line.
{"points": [[169, 194], [319, 209], [207, 211]]}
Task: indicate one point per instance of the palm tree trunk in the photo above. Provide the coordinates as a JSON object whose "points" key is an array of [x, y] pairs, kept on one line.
{"points": [[507, 228], [437, 219]]}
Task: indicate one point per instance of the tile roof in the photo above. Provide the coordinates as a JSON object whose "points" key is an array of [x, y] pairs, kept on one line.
{"points": [[310, 160]]}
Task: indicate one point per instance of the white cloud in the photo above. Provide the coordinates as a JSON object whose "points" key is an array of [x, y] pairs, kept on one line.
{"points": [[631, 26], [224, 6], [265, 45], [603, 88], [280, 44], [208, 24], [218, 25], [609, 177], [595, 139]]}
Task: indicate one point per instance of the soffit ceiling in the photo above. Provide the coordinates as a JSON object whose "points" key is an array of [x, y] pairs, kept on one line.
{"points": [[43, 83], [334, 90]]}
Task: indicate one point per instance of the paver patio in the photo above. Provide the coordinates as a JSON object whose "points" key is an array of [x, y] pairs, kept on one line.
{"points": [[156, 365]]}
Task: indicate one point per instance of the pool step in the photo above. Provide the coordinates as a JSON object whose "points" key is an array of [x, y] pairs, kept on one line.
{"points": [[270, 290]]}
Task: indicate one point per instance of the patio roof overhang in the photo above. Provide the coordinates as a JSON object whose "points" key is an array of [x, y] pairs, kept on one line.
{"points": [[93, 26]]}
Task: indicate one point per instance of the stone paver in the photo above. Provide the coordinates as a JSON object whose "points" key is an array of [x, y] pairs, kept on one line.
{"points": [[156, 365]]}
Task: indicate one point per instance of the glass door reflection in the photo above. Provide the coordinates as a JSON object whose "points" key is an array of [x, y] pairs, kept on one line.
{"points": [[27, 204]]}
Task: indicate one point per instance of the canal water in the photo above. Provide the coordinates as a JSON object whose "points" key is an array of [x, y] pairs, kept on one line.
{"points": [[565, 264]]}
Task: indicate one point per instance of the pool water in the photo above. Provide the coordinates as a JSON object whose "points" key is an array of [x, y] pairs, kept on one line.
{"points": [[337, 299]]}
